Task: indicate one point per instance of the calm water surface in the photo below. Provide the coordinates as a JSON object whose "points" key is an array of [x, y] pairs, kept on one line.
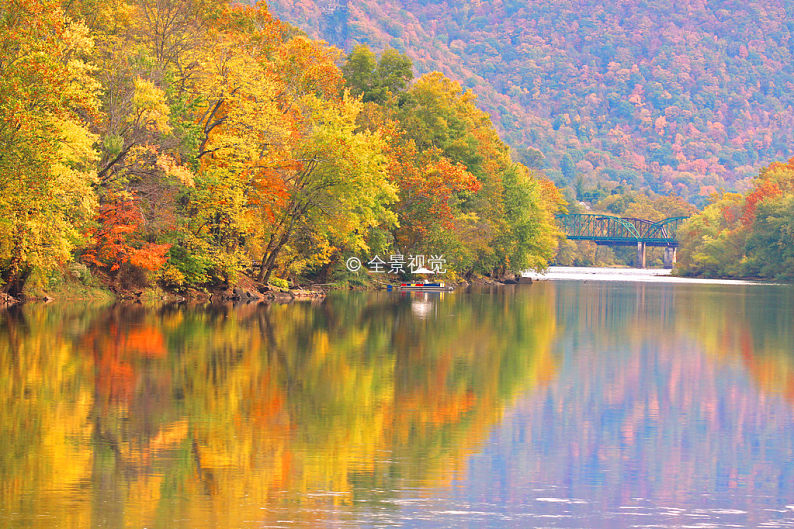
{"points": [[566, 403]]}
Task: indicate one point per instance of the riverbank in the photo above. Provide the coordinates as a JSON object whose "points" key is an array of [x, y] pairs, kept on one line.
{"points": [[249, 290], [246, 289]]}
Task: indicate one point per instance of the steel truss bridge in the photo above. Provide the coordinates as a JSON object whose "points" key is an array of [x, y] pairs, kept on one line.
{"points": [[618, 231]]}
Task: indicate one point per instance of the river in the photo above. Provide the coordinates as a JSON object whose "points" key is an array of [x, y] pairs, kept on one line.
{"points": [[573, 402]]}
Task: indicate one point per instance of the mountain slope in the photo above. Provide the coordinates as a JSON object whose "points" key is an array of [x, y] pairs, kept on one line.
{"points": [[678, 96]]}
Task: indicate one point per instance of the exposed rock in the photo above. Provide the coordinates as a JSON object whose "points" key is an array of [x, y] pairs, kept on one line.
{"points": [[222, 296], [307, 294], [5, 299], [282, 297], [197, 295]]}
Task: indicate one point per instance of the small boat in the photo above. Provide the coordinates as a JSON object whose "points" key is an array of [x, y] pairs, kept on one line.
{"points": [[424, 286]]}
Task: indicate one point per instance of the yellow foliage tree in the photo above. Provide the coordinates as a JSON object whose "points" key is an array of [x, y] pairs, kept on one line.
{"points": [[47, 159]]}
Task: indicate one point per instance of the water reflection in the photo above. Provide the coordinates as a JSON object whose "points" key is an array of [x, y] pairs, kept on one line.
{"points": [[563, 404], [672, 408], [221, 416]]}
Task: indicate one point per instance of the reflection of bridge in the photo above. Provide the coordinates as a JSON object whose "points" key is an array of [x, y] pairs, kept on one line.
{"points": [[617, 231]]}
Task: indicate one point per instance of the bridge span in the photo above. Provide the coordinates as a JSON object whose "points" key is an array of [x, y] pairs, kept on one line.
{"points": [[620, 231]]}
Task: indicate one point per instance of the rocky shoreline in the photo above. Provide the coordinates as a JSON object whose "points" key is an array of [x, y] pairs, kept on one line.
{"points": [[247, 291]]}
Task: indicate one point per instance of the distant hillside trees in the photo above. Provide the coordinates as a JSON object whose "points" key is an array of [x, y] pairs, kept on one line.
{"points": [[687, 96]]}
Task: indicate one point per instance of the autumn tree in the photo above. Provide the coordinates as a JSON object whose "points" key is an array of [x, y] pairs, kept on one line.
{"points": [[147, 54], [745, 235], [117, 242], [377, 80], [429, 185], [47, 159], [334, 181], [238, 121], [712, 242], [437, 113]]}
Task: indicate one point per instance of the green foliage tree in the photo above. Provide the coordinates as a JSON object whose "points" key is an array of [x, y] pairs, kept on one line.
{"points": [[395, 71], [376, 80], [528, 241], [359, 70], [770, 245], [710, 243]]}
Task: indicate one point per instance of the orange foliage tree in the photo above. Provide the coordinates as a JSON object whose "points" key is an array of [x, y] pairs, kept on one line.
{"points": [[428, 183], [118, 239]]}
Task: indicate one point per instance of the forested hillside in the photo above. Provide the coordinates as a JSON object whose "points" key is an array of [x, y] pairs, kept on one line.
{"points": [[686, 96], [173, 143]]}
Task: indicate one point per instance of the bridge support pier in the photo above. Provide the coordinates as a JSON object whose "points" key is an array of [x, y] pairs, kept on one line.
{"points": [[670, 256], [640, 263]]}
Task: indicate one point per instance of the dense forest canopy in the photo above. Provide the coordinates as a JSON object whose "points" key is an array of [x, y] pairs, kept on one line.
{"points": [[176, 142], [686, 97]]}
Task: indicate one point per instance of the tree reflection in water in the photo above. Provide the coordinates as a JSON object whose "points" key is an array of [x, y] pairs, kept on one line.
{"points": [[668, 397], [208, 416], [319, 413]]}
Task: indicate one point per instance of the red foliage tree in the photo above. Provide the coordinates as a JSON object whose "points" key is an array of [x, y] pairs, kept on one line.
{"points": [[118, 239]]}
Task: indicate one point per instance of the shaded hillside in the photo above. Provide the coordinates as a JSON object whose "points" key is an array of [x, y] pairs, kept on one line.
{"points": [[680, 96]]}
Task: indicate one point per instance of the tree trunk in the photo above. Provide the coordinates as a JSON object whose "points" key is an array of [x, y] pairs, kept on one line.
{"points": [[270, 264], [18, 273], [269, 258], [268, 268], [16, 281], [265, 258]]}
